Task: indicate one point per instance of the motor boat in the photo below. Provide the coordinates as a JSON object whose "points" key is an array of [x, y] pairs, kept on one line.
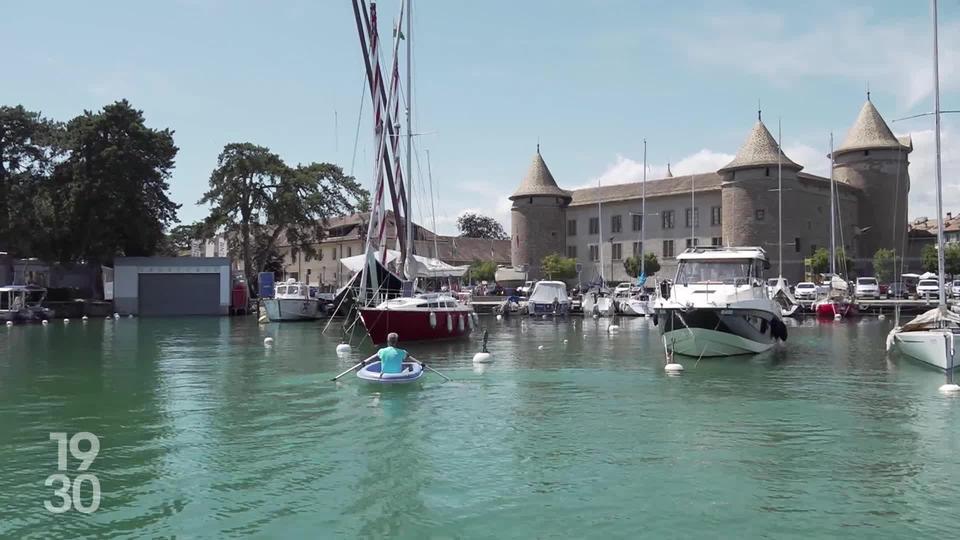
{"points": [[837, 301], [23, 303], [597, 301], [548, 298], [292, 302], [372, 372], [780, 293], [719, 305], [421, 317], [640, 305]]}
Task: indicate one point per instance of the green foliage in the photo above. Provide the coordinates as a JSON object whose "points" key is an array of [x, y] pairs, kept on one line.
{"points": [[256, 198], [483, 270], [559, 267], [951, 255], [820, 261], [473, 225], [181, 237], [883, 265], [928, 258], [651, 265]]}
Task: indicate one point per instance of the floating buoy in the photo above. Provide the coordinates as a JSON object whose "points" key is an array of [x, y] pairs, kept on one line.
{"points": [[613, 328], [44, 322], [9, 323], [499, 317], [564, 342], [83, 318], [66, 321], [595, 316], [268, 342], [950, 388], [543, 317], [482, 358], [116, 315], [673, 368], [882, 317], [343, 348], [540, 348], [263, 319], [130, 316], [837, 316]]}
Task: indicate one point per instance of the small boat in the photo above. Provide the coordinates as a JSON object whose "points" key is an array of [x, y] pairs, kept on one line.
{"points": [[640, 305], [292, 302], [372, 373], [422, 317], [549, 298], [780, 291], [598, 302], [23, 303]]}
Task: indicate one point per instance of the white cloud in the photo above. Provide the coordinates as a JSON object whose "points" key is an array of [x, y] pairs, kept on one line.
{"points": [[893, 54], [922, 173]]}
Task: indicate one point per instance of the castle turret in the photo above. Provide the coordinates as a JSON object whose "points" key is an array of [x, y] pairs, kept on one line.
{"points": [[537, 218], [749, 182], [874, 161]]}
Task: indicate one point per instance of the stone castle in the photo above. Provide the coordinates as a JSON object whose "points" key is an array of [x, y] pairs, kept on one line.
{"points": [[736, 205]]}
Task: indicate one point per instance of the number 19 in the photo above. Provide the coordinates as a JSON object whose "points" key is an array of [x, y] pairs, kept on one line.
{"points": [[86, 457]]}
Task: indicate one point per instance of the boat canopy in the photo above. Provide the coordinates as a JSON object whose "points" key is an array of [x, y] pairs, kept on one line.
{"points": [[545, 292], [715, 253], [931, 319], [425, 266]]}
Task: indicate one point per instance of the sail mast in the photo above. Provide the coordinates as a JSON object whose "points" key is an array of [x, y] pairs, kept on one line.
{"points": [[599, 232], [936, 115], [643, 211], [780, 191], [833, 247], [408, 264]]}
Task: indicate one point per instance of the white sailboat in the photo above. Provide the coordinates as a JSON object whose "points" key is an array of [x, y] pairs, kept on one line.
{"points": [[597, 301], [931, 337], [781, 291], [641, 303]]}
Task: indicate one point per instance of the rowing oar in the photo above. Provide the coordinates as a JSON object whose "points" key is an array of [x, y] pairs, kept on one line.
{"points": [[431, 369], [362, 363]]}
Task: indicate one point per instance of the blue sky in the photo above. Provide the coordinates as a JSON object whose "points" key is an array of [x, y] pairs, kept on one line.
{"points": [[589, 80]]}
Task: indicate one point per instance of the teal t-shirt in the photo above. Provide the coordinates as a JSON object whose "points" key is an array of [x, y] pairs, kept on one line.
{"points": [[391, 359]]}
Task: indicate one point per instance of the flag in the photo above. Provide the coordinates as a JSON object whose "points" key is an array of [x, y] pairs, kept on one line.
{"points": [[641, 279]]}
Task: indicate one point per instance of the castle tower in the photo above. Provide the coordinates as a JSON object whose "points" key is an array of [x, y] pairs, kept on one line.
{"points": [[874, 161], [537, 218], [749, 197]]}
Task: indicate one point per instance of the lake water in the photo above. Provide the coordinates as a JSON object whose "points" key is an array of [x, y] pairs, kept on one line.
{"points": [[203, 432]]}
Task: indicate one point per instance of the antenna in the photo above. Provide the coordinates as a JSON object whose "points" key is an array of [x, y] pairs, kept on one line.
{"points": [[759, 111]]}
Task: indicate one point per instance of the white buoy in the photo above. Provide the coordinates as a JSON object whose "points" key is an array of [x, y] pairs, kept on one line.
{"points": [[130, 316], [66, 321], [44, 322], [837, 316], [116, 315], [540, 348], [543, 317], [268, 342], [9, 323], [499, 317], [482, 358], [595, 316], [950, 388], [343, 348], [673, 368], [882, 317], [84, 318], [263, 319], [613, 328], [564, 342]]}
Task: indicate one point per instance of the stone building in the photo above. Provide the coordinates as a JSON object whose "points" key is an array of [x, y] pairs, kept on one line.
{"points": [[736, 205]]}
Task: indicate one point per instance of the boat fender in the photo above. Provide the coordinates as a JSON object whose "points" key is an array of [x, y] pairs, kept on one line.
{"points": [[433, 320], [778, 329], [655, 319], [460, 322], [470, 321], [449, 323]]}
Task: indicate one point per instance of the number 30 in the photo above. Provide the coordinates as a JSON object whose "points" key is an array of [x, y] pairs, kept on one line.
{"points": [[64, 493]]}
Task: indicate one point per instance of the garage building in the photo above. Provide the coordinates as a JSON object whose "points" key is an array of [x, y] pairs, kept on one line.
{"points": [[171, 286]]}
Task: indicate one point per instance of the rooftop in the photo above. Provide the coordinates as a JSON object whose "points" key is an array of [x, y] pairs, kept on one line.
{"points": [[759, 150], [869, 131], [676, 185], [539, 181]]}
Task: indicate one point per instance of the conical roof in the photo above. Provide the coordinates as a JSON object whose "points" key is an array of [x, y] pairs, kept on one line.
{"points": [[539, 181], [759, 150], [869, 132]]}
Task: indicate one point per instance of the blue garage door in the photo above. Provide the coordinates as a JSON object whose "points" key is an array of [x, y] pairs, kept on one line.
{"points": [[179, 294]]}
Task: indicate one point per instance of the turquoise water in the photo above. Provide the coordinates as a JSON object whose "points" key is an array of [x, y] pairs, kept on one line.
{"points": [[206, 433]]}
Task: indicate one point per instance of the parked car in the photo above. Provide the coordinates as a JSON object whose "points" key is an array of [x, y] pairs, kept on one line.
{"points": [[955, 288], [928, 288], [805, 290], [898, 289], [867, 287]]}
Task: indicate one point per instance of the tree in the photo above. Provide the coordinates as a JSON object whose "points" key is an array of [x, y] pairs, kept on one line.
{"points": [[111, 190], [820, 261], [883, 265], [951, 256], [928, 258], [181, 237], [631, 265], [483, 270], [473, 225], [257, 198], [558, 267]]}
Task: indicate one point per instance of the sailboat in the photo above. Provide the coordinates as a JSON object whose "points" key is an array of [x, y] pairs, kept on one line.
{"points": [[414, 317], [640, 304], [780, 292], [597, 300], [837, 302], [931, 337]]}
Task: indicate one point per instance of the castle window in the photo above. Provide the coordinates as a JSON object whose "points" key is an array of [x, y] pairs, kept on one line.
{"points": [[349, 251], [594, 252], [716, 241], [616, 251], [809, 225], [666, 218], [572, 252], [637, 248], [615, 225], [796, 244], [637, 222], [813, 249], [692, 242], [767, 172], [571, 227], [594, 225], [760, 214], [667, 249], [866, 152], [334, 251], [695, 213], [715, 213], [531, 200]]}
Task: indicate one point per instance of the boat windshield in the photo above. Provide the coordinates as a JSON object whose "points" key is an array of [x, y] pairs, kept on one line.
{"points": [[731, 272]]}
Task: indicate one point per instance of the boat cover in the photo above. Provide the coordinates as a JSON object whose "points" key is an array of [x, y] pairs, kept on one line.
{"points": [[425, 266], [544, 292], [931, 319]]}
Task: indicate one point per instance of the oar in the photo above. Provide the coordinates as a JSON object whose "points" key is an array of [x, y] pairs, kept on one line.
{"points": [[431, 369], [362, 363]]}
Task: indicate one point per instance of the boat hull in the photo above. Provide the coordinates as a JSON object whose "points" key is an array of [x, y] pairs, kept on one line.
{"points": [[719, 332], [538, 308], [829, 309], [289, 309], [636, 308], [417, 324], [371, 373], [932, 347]]}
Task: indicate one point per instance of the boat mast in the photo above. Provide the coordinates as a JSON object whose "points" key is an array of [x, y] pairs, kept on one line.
{"points": [[693, 215], [780, 192], [600, 232], [833, 247], [643, 212], [936, 115], [408, 264]]}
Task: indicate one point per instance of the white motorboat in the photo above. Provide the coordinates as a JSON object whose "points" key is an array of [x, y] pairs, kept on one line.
{"points": [[598, 302], [718, 304], [780, 293], [292, 302], [640, 305], [23, 303], [548, 298]]}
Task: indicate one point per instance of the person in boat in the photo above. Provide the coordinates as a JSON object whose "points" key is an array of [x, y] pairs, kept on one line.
{"points": [[392, 357]]}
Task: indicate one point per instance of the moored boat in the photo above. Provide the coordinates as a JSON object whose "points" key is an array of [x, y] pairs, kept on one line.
{"points": [[292, 302], [422, 317], [548, 298], [23, 303]]}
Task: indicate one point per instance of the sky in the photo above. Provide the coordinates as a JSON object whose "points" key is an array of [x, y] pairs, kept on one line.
{"points": [[587, 80]]}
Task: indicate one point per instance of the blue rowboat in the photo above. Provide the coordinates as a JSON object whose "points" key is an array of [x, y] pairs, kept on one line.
{"points": [[371, 372]]}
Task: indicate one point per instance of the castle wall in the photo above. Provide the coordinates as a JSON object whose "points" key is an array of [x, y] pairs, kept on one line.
{"points": [[537, 230], [883, 178]]}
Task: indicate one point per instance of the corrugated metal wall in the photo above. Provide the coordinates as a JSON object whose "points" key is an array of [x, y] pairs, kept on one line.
{"points": [[179, 294]]}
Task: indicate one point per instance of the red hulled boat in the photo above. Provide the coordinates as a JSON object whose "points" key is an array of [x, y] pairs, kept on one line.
{"points": [[420, 318], [831, 307]]}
